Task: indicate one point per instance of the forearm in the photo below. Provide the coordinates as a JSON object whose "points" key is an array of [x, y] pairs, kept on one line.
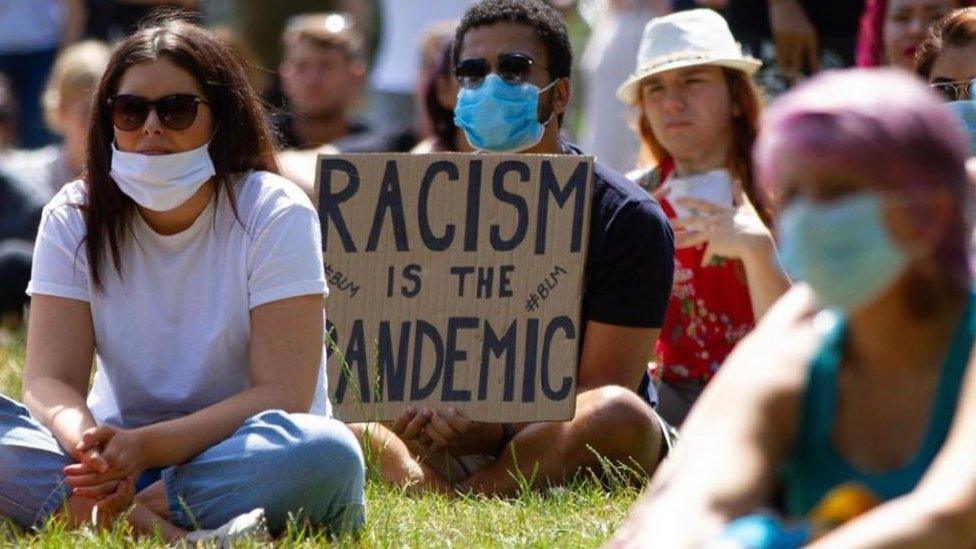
{"points": [[764, 276], [178, 440], [59, 407], [664, 516], [903, 523]]}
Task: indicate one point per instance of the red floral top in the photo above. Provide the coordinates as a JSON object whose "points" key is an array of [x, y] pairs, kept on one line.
{"points": [[709, 312]]}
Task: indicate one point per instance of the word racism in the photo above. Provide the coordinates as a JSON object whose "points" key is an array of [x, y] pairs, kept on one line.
{"points": [[456, 279]]}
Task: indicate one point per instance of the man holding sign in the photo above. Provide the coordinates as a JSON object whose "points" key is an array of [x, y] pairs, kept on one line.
{"points": [[513, 61]]}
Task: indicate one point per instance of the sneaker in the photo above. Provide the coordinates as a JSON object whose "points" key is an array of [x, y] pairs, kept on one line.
{"points": [[251, 526]]}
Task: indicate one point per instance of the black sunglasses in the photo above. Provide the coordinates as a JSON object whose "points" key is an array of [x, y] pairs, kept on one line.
{"points": [[512, 68], [176, 111]]}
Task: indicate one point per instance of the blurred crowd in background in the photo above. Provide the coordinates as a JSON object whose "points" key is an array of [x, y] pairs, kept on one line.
{"points": [[373, 75], [376, 75]]}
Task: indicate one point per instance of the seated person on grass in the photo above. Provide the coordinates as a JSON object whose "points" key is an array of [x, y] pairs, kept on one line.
{"points": [[857, 381], [503, 49], [192, 274]]}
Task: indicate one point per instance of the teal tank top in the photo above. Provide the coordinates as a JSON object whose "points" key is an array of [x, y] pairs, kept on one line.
{"points": [[815, 467]]}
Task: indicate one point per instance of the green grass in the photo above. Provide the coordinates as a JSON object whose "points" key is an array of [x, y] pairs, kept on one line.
{"points": [[583, 514]]}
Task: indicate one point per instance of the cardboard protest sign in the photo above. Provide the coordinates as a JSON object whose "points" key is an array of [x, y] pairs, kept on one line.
{"points": [[456, 280]]}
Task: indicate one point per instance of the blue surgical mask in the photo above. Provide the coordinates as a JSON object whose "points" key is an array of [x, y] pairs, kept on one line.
{"points": [[501, 117], [842, 249], [965, 112]]}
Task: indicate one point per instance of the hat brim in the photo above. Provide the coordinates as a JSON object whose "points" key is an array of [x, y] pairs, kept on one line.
{"points": [[627, 92]]}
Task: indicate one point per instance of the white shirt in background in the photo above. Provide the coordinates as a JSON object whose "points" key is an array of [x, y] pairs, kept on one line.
{"points": [[404, 23], [609, 58], [46, 169]]}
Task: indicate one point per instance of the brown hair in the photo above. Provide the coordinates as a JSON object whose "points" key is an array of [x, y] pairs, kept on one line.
{"points": [[956, 28], [744, 93], [242, 140], [326, 31]]}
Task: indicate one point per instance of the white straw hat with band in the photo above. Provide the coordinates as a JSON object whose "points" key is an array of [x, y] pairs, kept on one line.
{"points": [[685, 39]]}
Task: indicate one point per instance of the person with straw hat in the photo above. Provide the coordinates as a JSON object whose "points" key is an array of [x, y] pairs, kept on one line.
{"points": [[698, 115]]}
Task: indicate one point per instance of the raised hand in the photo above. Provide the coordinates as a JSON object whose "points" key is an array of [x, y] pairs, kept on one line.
{"points": [[795, 38], [732, 233]]}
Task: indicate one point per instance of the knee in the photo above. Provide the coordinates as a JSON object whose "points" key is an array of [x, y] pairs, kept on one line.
{"points": [[336, 486], [619, 414], [331, 456], [325, 478]]}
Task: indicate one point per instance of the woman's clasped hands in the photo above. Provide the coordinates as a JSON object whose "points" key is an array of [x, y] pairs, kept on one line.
{"points": [[110, 461]]}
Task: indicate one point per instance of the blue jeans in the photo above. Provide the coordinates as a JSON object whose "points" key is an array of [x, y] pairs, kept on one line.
{"points": [[306, 466]]}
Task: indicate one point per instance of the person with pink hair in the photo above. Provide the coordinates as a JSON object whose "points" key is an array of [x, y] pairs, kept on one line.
{"points": [[853, 376], [892, 30]]}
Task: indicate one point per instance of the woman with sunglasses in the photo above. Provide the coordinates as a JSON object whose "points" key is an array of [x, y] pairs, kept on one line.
{"points": [[698, 116], [947, 58], [947, 61], [192, 274], [854, 376]]}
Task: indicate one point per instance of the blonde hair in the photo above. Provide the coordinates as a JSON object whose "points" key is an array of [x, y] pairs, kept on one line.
{"points": [[326, 30], [76, 72]]}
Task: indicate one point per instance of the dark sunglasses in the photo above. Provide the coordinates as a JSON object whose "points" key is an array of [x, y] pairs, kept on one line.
{"points": [[954, 91], [512, 68], [176, 111]]}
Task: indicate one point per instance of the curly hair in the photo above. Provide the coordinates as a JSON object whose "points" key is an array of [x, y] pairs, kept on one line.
{"points": [[548, 24], [956, 28]]}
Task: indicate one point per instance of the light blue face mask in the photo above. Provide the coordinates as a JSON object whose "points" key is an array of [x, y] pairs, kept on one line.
{"points": [[965, 112], [842, 249], [501, 117]]}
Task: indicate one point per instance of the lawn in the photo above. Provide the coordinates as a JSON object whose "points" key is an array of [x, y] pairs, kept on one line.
{"points": [[582, 515]]}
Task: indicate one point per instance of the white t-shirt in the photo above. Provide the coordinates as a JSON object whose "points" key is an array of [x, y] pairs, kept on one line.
{"points": [[172, 332]]}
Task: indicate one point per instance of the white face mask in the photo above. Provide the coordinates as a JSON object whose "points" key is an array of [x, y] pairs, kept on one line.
{"points": [[162, 182], [714, 186]]}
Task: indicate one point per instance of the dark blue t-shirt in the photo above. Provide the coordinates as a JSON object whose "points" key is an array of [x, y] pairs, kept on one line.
{"points": [[630, 260]]}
